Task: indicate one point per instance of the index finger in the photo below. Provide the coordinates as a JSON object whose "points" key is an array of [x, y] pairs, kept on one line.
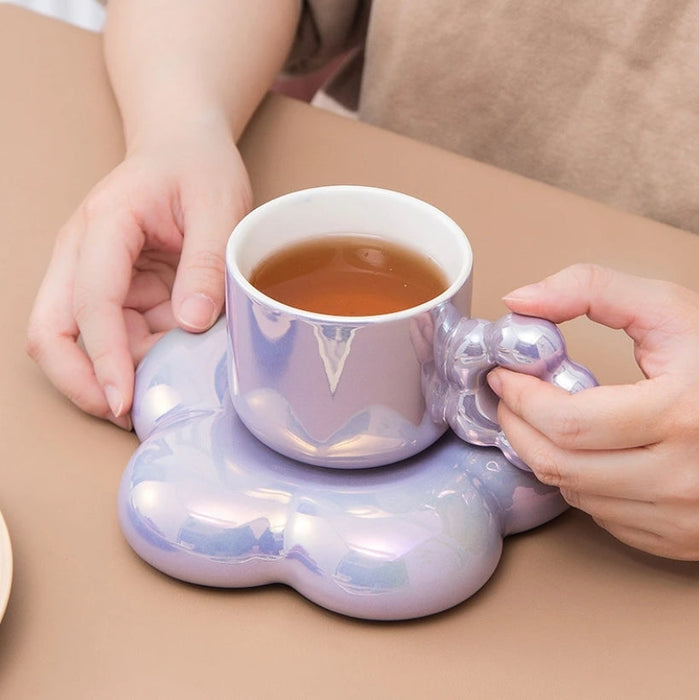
{"points": [[52, 332], [614, 299], [109, 251]]}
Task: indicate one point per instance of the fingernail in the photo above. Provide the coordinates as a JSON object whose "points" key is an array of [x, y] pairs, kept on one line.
{"points": [[124, 423], [525, 293], [495, 383], [197, 312], [114, 399]]}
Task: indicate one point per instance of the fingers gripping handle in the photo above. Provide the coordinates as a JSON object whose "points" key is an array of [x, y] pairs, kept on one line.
{"points": [[467, 349]]}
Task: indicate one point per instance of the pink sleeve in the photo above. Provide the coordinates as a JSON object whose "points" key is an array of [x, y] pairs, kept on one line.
{"points": [[327, 28]]}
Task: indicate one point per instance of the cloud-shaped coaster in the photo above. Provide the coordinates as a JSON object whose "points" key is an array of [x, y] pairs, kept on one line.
{"points": [[204, 501]]}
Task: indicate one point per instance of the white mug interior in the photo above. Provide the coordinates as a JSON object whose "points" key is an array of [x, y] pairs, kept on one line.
{"points": [[349, 209]]}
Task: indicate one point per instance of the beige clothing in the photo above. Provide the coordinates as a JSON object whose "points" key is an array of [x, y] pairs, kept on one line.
{"points": [[600, 97]]}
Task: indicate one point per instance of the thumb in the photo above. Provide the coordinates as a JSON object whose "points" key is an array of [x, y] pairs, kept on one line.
{"points": [[198, 291]]}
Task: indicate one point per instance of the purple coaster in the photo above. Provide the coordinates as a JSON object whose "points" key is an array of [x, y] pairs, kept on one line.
{"points": [[204, 501]]}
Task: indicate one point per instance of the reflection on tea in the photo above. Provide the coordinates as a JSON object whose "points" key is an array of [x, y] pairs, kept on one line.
{"points": [[349, 275]]}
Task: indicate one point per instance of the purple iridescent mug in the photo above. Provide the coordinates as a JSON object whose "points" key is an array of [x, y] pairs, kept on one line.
{"points": [[364, 391]]}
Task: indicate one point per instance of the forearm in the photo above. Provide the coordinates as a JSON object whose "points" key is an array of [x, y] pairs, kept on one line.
{"points": [[180, 64]]}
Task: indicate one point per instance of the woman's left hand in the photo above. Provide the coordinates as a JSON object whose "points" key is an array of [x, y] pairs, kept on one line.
{"points": [[628, 454]]}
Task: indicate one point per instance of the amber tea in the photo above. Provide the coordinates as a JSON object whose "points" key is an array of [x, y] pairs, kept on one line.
{"points": [[349, 275]]}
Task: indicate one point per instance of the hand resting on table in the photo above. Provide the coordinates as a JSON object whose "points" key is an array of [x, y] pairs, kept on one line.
{"points": [[123, 271]]}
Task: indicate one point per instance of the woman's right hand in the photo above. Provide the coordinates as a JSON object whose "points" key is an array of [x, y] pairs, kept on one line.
{"points": [[143, 253]]}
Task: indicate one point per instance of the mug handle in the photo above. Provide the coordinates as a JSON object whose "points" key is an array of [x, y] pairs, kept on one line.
{"points": [[466, 349]]}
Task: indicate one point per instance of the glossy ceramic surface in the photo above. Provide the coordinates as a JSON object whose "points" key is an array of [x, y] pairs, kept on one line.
{"points": [[466, 349], [338, 391], [204, 501], [352, 392]]}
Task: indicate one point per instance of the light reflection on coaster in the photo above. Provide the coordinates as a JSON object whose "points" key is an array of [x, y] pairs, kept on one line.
{"points": [[204, 501]]}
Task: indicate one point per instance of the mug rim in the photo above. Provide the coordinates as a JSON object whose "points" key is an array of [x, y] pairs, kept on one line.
{"points": [[248, 221]]}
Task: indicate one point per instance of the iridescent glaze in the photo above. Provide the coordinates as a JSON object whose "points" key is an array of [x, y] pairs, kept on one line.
{"points": [[204, 501], [337, 391], [352, 392], [466, 349]]}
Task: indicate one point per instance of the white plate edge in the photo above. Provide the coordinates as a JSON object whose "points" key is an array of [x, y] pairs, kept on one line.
{"points": [[5, 566]]}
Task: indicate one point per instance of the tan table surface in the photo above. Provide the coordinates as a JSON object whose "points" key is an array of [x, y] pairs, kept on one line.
{"points": [[569, 613]]}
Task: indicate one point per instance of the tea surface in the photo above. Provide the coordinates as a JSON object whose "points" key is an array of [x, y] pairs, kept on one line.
{"points": [[349, 275]]}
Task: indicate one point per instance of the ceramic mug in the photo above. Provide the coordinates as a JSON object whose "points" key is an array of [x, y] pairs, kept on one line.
{"points": [[364, 391]]}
